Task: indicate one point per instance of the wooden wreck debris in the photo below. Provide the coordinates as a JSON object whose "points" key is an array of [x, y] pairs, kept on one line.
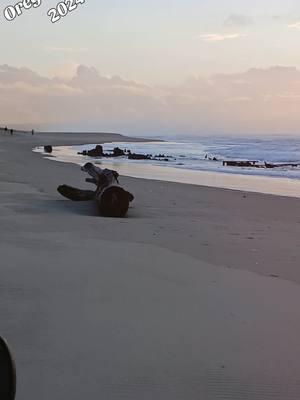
{"points": [[257, 164], [48, 149], [117, 152], [135, 156], [112, 200], [96, 152], [240, 163], [293, 165]]}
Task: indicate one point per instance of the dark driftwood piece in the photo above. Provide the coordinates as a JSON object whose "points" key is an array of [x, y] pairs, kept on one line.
{"points": [[112, 200]]}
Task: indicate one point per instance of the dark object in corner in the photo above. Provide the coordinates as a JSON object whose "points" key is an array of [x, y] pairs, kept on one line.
{"points": [[112, 200], [48, 149], [7, 373]]}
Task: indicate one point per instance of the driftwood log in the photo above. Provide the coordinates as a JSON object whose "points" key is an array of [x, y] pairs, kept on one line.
{"points": [[112, 200]]}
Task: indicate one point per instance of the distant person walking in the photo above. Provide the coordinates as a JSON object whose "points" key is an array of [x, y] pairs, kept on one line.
{"points": [[11, 131], [32, 132]]}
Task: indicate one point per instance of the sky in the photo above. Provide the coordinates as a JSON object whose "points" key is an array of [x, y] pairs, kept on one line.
{"points": [[174, 66]]}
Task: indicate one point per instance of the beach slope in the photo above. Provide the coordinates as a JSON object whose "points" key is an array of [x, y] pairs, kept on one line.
{"points": [[193, 296]]}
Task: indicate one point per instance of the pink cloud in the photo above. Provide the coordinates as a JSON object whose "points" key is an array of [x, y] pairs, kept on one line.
{"points": [[256, 101]]}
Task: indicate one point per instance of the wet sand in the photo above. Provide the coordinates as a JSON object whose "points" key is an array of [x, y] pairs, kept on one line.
{"points": [[193, 296]]}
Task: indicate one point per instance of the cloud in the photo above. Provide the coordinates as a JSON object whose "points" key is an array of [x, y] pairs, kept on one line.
{"points": [[66, 49], [65, 71], [238, 20], [295, 25], [255, 101], [216, 37]]}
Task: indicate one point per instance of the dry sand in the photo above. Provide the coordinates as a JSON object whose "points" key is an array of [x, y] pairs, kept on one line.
{"points": [[194, 296]]}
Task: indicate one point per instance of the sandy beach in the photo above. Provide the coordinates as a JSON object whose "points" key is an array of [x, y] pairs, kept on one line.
{"points": [[194, 296]]}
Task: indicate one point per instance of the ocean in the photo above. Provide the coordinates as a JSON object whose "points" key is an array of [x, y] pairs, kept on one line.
{"points": [[188, 157]]}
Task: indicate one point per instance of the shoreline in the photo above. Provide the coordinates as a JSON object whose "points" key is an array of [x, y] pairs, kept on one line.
{"points": [[189, 297], [277, 186]]}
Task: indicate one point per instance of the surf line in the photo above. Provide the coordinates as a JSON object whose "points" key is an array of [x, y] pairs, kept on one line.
{"points": [[11, 12]]}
